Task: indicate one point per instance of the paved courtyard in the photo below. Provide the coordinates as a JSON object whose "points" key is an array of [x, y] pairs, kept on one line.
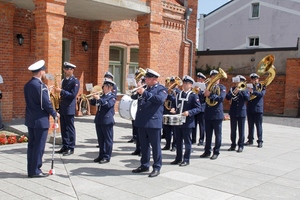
{"points": [[269, 173]]}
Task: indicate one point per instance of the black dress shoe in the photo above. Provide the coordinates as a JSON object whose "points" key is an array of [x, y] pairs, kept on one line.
{"points": [[200, 143], [260, 145], [61, 151], [97, 146], [40, 175], [184, 164], [103, 161], [97, 159], [154, 173], [214, 157], [205, 155], [175, 162], [165, 148], [140, 170], [249, 142], [131, 140], [240, 150], [231, 149], [68, 152], [173, 149], [136, 152]]}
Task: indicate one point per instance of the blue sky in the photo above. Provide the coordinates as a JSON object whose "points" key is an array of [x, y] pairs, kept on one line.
{"points": [[206, 6]]}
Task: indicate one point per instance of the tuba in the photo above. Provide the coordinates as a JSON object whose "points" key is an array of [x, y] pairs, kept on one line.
{"points": [[210, 85], [139, 74], [177, 81], [265, 66]]}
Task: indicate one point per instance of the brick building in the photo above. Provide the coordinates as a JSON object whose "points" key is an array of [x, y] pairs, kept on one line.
{"points": [[121, 36]]}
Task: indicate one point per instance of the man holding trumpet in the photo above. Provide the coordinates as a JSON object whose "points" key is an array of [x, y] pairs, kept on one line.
{"points": [[238, 95], [149, 120], [104, 121]]}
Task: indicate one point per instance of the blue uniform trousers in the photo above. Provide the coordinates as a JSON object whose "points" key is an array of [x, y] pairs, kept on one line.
{"points": [[199, 119], [68, 131], [240, 123], [36, 145], [150, 136], [105, 140], [185, 135], [257, 119], [168, 132], [216, 127]]}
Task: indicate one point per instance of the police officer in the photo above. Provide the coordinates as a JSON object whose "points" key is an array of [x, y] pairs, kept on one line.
{"points": [[238, 95], [199, 118], [68, 92], [188, 105], [104, 121], [168, 130], [149, 118], [38, 109], [109, 76], [214, 116], [255, 109]]}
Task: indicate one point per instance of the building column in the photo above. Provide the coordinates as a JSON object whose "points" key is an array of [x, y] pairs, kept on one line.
{"points": [[49, 21], [7, 11], [100, 50], [149, 36]]}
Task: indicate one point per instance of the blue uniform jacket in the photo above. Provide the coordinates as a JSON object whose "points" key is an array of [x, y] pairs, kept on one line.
{"points": [[38, 105], [202, 100], [106, 111], [216, 112], [192, 105], [150, 107], [256, 105], [68, 95], [238, 103]]}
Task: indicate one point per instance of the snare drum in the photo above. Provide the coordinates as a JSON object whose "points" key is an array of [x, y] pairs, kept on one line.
{"points": [[128, 107], [172, 120]]}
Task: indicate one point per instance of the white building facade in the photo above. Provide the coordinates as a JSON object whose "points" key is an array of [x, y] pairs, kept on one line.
{"points": [[246, 24]]}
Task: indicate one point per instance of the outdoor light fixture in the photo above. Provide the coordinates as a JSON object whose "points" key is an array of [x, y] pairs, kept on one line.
{"points": [[20, 39], [188, 13], [85, 45]]}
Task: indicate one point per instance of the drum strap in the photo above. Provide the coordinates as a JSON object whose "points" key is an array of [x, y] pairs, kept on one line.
{"points": [[183, 99]]}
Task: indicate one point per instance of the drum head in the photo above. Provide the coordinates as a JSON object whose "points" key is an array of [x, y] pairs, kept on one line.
{"points": [[126, 106], [133, 109]]}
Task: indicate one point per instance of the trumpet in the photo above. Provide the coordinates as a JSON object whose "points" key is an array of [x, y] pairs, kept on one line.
{"points": [[133, 91], [89, 96], [207, 80]]}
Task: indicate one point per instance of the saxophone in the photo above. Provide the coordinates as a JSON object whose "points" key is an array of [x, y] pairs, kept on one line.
{"points": [[178, 81], [265, 66], [210, 87], [54, 98]]}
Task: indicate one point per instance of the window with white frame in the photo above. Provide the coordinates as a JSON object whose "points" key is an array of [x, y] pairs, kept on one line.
{"points": [[255, 10], [253, 41]]}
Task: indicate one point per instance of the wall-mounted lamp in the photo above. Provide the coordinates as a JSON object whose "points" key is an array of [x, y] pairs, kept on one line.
{"points": [[20, 39], [85, 45], [252, 59], [188, 12]]}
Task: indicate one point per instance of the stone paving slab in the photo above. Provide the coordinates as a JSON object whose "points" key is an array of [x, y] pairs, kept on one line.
{"points": [[272, 172]]}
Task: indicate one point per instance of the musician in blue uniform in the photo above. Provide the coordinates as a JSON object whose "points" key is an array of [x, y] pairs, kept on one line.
{"points": [[188, 105], [199, 118], [109, 76], [168, 130], [67, 107], [38, 109], [214, 116], [104, 121], [135, 129], [149, 119], [255, 109], [238, 96]]}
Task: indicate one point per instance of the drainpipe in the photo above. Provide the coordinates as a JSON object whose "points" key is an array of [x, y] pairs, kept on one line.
{"points": [[187, 14]]}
